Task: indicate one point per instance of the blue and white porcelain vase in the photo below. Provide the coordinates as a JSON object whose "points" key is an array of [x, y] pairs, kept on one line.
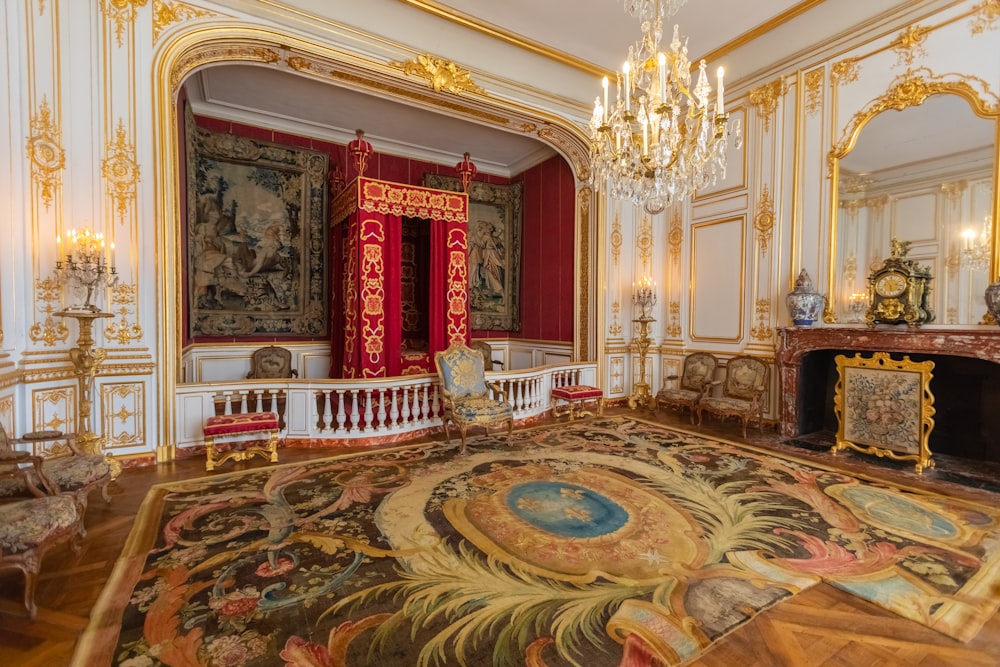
{"points": [[805, 304]]}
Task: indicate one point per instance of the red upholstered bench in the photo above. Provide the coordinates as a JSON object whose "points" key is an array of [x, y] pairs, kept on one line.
{"points": [[226, 426], [572, 400]]}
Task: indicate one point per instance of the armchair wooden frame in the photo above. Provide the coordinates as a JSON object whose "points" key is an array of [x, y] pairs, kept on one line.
{"points": [[697, 375], [744, 389]]}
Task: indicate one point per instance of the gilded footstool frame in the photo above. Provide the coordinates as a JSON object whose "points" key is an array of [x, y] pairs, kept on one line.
{"points": [[227, 426]]}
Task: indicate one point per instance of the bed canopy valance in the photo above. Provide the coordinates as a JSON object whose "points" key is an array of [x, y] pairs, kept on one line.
{"points": [[399, 277]]}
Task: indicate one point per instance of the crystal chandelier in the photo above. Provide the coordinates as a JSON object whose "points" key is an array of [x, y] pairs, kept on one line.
{"points": [[661, 140], [976, 247]]}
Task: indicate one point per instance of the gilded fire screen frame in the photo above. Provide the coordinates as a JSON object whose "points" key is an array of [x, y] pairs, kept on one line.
{"points": [[885, 407]]}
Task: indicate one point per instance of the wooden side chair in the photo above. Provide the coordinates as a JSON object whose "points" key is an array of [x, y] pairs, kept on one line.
{"points": [[68, 468], [465, 395], [484, 349], [31, 526], [697, 373], [743, 390]]}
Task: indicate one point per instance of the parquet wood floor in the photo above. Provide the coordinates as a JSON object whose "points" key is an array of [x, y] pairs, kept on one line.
{"points": [[821, 627]]}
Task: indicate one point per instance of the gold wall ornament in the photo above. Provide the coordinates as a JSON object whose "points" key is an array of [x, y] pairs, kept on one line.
{"points": [[305, 65], [121, 12], [45, 153], [953, 190], [644, 243], [763, 221], [984, 16], [762, 329], [616, 371], [121, 171], [165, 13], [674, 328], [910, 44], [440, 74], [814, 90], [765, 100], [52, 409], [122, 407], [47, 295], [616, 239], [675, 237], [123, 298], [616, 328], [844, 72]]}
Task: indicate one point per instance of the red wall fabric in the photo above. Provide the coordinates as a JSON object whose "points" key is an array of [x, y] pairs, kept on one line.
{"points": [[547, 278]]}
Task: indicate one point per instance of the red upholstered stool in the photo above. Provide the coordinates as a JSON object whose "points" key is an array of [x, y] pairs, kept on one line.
{"points": [[227, 426], [573, 399]]}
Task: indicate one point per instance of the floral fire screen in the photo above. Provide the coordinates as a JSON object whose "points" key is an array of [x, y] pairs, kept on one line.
{"points": [[885, 407]]}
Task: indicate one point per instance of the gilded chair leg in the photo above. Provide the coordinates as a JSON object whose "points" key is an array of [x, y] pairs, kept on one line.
{"points": [[461, 429], [447, 432], [600, 407], [209, 454], [510, 427], [272, 446], [30, 579]]}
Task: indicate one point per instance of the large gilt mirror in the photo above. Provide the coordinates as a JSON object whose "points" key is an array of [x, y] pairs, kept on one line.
{"points": [[918, 165]]}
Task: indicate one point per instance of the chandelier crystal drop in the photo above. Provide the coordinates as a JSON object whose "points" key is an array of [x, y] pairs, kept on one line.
{"points": [[660, 140], [976, 247]]}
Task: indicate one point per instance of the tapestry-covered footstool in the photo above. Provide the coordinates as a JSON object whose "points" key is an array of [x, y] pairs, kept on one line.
{"points": [[573, 400], [228, 426]]}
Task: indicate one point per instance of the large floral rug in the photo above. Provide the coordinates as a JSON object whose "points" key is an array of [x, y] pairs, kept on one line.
{"points": [[604, 542]]}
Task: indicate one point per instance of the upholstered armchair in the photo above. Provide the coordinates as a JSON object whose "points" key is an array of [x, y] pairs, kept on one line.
{"points": [[484, 349], [697, 373], [743, 390], [271, 362], [69, 469], [465, 395], [31, 526]]}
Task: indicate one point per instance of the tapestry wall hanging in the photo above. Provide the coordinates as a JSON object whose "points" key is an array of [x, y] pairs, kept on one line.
{"points": [[494, 251], [885, 407], [256, 245]]}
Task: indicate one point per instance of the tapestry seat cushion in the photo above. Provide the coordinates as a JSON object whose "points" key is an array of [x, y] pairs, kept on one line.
{"points": [[250, 422], [723, 404], [27, 523], [68, 473], [482, 409], [577, 392], [685, 395]]}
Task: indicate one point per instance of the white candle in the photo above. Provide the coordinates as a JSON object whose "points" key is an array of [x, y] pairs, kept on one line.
{"points": [[662, 66], [721, 107], [604, 85], [627, 94]]}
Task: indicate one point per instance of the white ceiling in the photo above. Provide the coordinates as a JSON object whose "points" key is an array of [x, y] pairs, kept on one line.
{"points": [[595, 32]]}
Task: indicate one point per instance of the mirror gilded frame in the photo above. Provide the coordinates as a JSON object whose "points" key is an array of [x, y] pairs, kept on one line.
{"points": [[910, 90]]}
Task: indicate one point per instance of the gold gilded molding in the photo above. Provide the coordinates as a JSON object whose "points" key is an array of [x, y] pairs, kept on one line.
{"points": [[617, 372], [46, 154], [583, 266], [762, 329], [675, 237], [910, 44], [53, 409], [616, 239], [123, 297], [765, 99], [165, 13], [440, 74], [123, 414], [814, 91], [911, 89], [47, 293], [616, 328], [953, 190], [674, 329], [763, 221], [984, 16], [644, 243], [238, 53], [121, 171], [121, 12], [844, 72]]}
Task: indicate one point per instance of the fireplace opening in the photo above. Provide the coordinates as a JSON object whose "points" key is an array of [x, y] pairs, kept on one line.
{"points": [[966, 401]]}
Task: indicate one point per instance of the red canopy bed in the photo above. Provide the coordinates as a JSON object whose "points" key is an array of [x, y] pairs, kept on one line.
{"points": [[399, 277]]}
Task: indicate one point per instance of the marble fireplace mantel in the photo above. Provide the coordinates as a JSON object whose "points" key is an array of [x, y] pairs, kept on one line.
{"points": [[795, 342]]}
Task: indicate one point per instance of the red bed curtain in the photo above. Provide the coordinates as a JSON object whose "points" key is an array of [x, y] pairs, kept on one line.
{"points": [[367, 217]]}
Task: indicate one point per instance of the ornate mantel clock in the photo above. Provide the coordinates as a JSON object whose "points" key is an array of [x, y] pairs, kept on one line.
{"points": [[899, 290]]}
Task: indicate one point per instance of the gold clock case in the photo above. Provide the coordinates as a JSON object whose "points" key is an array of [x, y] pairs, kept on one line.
{"points": [[899, 291]]}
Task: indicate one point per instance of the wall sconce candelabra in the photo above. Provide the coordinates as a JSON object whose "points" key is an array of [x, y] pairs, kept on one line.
{"points": [[87, 266], [643, 298], [858, 304], [976, 248]]}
